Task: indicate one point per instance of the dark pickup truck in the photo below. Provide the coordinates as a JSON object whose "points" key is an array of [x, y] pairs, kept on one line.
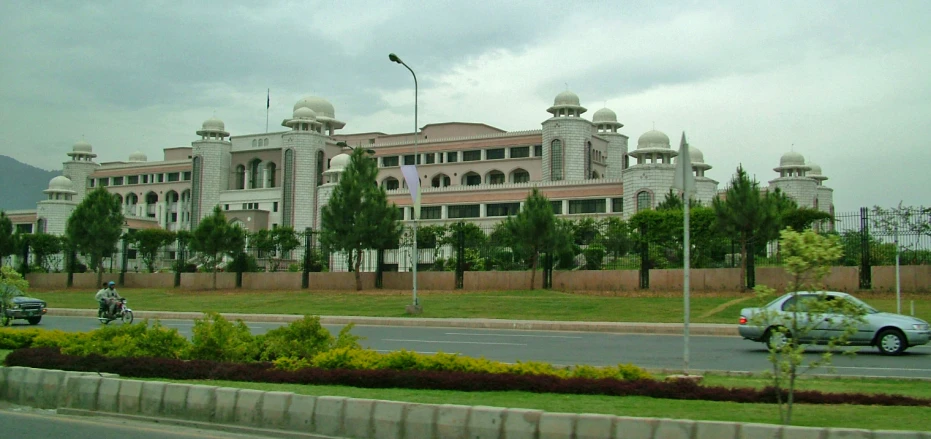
{"points": [[22, 307]]}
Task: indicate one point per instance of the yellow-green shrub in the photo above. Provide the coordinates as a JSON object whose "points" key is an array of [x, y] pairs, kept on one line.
{"points": [[57, 338], [347, 358], [136, 340], [215, 338], [304, 338], [17, 338]]}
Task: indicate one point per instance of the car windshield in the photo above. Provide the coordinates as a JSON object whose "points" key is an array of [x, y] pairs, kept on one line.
{"points": [[866, 307], [11, 291]]}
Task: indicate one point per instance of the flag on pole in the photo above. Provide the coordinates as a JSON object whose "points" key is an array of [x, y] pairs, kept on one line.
{"points": [[684, 179], [413, 184], [268, 99]]}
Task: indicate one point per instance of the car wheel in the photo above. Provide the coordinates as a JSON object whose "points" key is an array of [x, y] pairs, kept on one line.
{"points": [[776, 338], [891, 342], [34, 320]]}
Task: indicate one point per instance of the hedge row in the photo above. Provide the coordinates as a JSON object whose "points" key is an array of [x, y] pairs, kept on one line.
{"points": [[51, 358]]}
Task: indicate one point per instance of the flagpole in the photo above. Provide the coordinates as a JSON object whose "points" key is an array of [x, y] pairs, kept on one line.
{"points": [[684, 180], [268, 103]]}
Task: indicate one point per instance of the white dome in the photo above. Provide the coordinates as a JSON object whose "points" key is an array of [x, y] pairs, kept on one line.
{"points": [[339, 162], [138, 156], [653, 139], [82, 146], [791, 158], [566, 98], [305, 113], [813, 170], [213, 124], [320, 106], [60, 184], [604, 115], [696, 155]]}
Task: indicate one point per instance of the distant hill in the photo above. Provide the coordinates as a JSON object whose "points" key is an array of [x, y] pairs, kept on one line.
{"points": [[21, 185]]}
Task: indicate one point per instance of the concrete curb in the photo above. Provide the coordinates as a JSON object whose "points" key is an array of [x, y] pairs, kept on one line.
{"points": [[708, 329], [288, 415]]}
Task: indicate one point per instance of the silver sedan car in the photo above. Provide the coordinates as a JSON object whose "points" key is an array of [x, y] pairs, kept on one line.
{"points": [[891, 333]]}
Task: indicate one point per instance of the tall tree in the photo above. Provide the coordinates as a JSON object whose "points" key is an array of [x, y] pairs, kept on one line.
{"points": [[215, 237], [7, 246], [748, 214], [275, 244], [532, 229], [358, 216], [148, 242], [44, 246], [95, 227]]}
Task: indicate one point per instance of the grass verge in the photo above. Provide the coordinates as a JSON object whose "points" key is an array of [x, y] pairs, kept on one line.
{"points": [[3, 354], [847, 416], [631, 306]]}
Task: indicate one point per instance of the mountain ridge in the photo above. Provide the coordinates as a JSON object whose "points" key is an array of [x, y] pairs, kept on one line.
{"points": [[21, 184]]}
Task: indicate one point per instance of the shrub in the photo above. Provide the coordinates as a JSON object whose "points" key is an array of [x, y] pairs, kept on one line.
{"points": [[16, 339], [56, 338], [304, 338], [136, 340], [594, 256], [215, 338]]}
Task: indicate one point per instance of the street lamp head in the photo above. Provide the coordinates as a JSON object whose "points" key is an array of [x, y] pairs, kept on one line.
{"points": [[342, 144], [394, 58]]}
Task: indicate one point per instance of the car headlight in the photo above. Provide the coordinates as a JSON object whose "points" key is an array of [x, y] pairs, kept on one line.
{"points": [[920, 327]]}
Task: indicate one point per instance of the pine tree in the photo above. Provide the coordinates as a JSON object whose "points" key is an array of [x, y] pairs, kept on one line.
{"points": [[358, 216], [7, 246], [95, 227], [214, 237], [532, 229]]}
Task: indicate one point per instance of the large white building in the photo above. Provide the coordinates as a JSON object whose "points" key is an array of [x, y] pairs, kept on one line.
{"points": [[468, 171]]}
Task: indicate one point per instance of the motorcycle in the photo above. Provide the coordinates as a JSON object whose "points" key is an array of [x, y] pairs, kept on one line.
{"points": [[122, 312]]}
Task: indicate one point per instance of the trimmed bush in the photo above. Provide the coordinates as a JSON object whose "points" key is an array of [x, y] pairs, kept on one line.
{"points": [[50, 358], [136, 340], [215, 338], [16, 339], [304, 338]]}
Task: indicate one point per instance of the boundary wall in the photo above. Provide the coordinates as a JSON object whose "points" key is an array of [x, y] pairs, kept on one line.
{"points": [[340, 417], [914, 278]]}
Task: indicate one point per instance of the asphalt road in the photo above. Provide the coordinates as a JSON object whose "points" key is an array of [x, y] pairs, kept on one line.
{"points": [[22, 422], [593, 348]]}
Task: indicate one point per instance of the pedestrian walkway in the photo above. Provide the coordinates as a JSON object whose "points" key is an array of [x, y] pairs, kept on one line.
{"points": [[528, 325]]}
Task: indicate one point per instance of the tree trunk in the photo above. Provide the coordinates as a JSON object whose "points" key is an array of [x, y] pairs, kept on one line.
{"points": [[534, 259], [216, 262], [358, 267], [743, 262], [99, 268]]}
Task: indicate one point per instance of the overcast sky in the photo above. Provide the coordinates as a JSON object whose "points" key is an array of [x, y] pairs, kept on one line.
{"points": [[847, 84]]}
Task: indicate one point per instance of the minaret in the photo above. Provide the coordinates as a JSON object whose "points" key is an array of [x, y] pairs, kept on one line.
{"points": [[52, 213], [606, 126], [566, 140], [647, 182], [794, 181], [824, 196], [705, 188], [80, 167], [331, 178], [304, 159], [211, 168]]}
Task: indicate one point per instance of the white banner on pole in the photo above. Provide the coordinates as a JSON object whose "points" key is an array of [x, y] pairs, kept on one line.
{"points": [[685, 178], [413, 184]]}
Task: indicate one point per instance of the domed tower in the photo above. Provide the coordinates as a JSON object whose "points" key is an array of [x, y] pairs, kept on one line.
{"points": [[648, 181], [606, 126], [705, 188], [793, 179], [824, 196], [566, 140], [331, 178], [138, 157], [53, 212], [210, 168], [80, 167], [304, 159]]}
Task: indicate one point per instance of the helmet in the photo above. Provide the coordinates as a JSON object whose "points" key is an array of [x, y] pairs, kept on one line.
{"points": [[111, 283]]}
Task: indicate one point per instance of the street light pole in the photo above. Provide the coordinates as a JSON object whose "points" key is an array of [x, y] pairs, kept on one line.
{"points": [[416, 211]]}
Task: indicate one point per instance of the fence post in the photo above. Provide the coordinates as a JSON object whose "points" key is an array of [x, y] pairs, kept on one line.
{"points": [[124, 259], [751, 265], [179, 263], [644, 259], [460, 256], [24, 265], [305, 272], [866, 275], [379, 268], [72, 255], [548, 270]]}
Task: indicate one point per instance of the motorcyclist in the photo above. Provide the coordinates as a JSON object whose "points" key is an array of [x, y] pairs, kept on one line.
{"points": [[101, 297], [112, 297]]}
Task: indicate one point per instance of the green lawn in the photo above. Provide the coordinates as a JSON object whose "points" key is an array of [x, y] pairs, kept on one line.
{"points": [[848, 416], [634, 306]]}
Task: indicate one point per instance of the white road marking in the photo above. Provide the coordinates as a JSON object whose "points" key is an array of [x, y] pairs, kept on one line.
{"points": [[419, 352], [453, 342], [481, 334], [904, 369]]}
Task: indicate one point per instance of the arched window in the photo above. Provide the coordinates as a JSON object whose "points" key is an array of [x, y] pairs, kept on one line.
{"points": [[494, 177], [240, 177], [391, 183], [520, 176], [255, 174], [441, 180], [643, 201], [266, 142], [471, 179], [270, 171], [556, 160]]}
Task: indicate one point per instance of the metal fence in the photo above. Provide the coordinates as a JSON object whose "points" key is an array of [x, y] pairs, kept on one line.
{"points": [[869, 238]]}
